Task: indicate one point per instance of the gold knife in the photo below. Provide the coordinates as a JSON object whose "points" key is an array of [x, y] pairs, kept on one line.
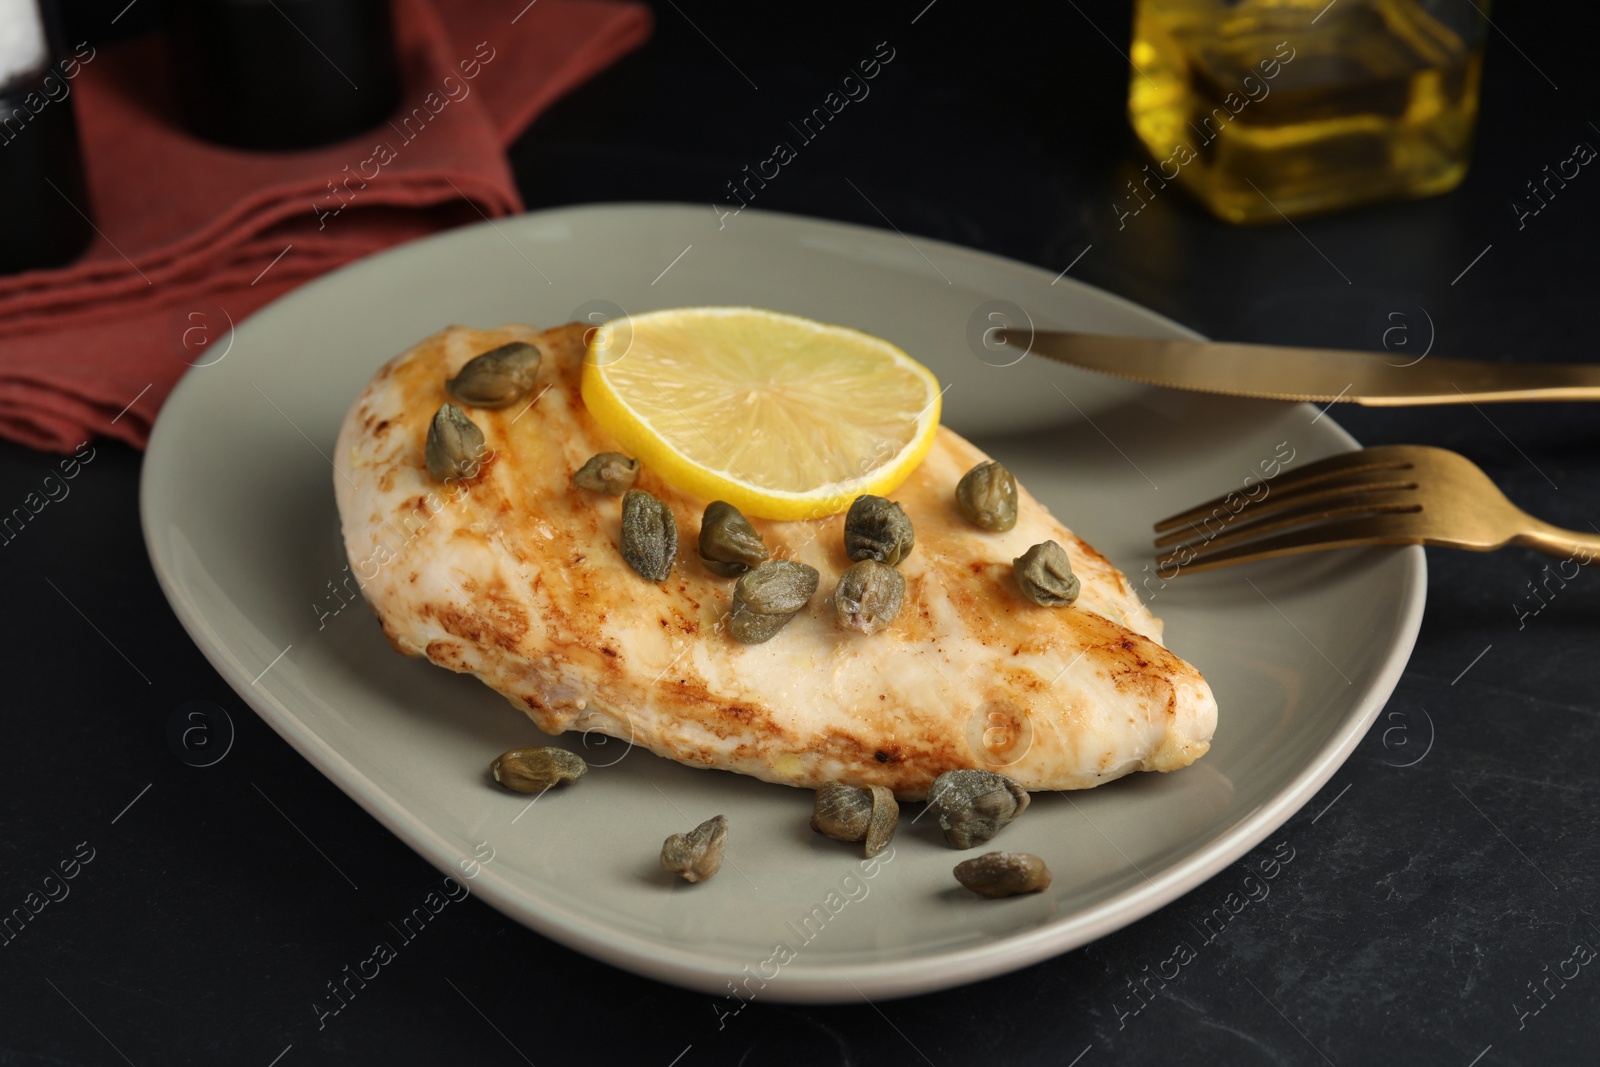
{"points": [[1324, 375]]}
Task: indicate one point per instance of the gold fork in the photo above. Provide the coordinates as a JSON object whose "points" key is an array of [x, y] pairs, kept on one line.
{"points": [[1390, 495]]}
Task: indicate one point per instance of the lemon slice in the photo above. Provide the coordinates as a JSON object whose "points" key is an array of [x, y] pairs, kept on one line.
{"points": [[783, 417]]}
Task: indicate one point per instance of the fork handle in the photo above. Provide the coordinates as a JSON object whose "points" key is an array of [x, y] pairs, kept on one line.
{"points": [[1554, 541]]}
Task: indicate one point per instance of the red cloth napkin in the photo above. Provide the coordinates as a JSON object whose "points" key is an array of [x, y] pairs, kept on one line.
{"points": [[192, 235]]}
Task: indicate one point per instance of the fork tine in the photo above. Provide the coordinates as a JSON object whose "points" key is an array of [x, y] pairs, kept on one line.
{"points": [[1321, 491], [1395, 502], [1390, 529], [1362, 460]]}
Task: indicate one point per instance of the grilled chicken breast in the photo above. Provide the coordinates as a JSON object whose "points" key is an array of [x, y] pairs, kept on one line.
{"points": [[516, 577]]}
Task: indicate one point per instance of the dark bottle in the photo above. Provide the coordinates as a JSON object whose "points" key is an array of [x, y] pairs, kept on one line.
{"points": [[282, 74], [44, 206]]}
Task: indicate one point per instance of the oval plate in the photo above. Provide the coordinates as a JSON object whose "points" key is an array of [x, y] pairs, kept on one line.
{"points": [[238, 513]]}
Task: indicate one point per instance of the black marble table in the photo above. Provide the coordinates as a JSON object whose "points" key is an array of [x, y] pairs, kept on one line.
{"points": [[1440, 881]]}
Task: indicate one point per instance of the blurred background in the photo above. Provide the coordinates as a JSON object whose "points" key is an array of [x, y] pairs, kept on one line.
{"points": [[1006, 128], [1044, 86]]}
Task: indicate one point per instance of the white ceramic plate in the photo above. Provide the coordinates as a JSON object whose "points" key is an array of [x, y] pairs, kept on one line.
{"points": [[239, 518]]}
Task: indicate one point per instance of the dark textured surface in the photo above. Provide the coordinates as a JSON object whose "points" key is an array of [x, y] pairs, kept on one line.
{"points": [[1420, 901]]}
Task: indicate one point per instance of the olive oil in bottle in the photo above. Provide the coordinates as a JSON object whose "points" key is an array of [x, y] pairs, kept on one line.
{"points": [[1266, 109]]}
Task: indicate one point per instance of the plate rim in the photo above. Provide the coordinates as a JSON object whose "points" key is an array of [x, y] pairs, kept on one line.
{"points": [[802, 983]]}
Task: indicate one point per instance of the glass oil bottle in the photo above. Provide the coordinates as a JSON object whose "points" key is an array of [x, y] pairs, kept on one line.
{"points": [[1273, 109]]}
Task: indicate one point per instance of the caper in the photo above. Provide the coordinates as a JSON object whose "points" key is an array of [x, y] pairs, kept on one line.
{"points": [[729, 545], [850, 813], [876, 528], [696, 855], [498, 378], [842, 812], [777, 587], [987, 496], [649, 535], [766, 598], [1045, 576], [885, 817], [1004, 874], [974, 805], [607, 472], [533, 770], [455, 445], [868, 596]]}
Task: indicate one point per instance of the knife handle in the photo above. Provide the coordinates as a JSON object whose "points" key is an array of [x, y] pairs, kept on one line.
{"points": [[1477, 382], [1280, 372]]}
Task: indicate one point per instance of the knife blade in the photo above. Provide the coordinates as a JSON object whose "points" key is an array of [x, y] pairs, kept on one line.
{"points": [[1322, 375]]}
